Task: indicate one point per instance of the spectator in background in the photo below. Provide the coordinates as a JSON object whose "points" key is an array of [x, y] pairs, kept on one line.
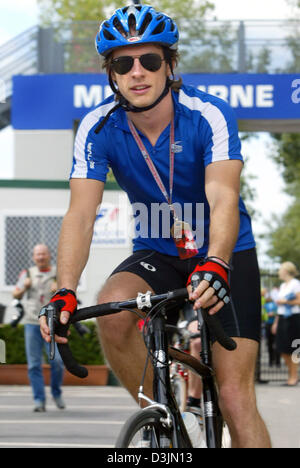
{"points": [[36, 285], [287, 323], [270, 307]]}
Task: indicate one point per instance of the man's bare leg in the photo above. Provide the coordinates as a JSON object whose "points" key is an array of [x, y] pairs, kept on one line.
{"points": [[235, 372], [120, 338]]}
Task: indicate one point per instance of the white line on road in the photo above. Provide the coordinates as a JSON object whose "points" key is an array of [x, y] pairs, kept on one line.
{"points": [[72, 394], [37, 445], [57, 421], [73, 407]]}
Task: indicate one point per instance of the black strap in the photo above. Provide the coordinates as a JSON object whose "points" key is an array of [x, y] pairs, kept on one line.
{"points": [[126, 105], [103, 122]]}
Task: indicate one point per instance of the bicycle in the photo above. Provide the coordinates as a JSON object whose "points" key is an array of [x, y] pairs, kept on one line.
{"points": [[179, 337], [160, 424]]}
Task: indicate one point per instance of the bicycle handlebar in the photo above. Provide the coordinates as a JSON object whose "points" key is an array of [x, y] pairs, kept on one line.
{"points": [[213, 322], [142, 302]]}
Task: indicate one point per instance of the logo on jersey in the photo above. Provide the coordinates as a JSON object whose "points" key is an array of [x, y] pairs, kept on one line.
{"points": [[176, 147], [147, 266], [90, 155]]}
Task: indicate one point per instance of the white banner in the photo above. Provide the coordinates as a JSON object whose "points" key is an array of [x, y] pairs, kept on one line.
{"points": [[112, 225]]}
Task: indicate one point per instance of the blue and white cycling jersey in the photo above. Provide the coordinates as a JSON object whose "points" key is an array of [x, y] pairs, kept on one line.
{"points": [[205, 132]]}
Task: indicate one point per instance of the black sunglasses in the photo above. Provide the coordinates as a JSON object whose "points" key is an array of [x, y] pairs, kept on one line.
{"points": [[122, 65]]}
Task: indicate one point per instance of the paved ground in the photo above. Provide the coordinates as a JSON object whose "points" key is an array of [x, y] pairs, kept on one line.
{"points": [[94, 416]]}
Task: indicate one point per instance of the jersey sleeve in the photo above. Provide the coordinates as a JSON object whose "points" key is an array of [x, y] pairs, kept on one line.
{"points": [[90, 160], [221, 139]]}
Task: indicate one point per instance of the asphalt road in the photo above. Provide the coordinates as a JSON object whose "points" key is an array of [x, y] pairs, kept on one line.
{"points": [[94, 416]]}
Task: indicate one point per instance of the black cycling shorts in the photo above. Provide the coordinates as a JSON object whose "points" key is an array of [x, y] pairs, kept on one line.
{"points": [[240, 318]]}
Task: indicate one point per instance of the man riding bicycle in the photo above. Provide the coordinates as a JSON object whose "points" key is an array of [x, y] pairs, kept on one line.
{"points": [[172, 145]]}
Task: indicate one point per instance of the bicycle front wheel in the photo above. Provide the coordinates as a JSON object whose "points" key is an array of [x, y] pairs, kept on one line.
{"points": [[145, 429]]}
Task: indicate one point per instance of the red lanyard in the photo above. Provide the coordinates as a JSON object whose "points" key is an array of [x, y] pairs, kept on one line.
{"points": [[152, 167]]}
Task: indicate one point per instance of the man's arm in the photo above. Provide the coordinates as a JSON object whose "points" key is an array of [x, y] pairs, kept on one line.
{"points": [[75, 239], [24, 283], [77, 231], [222, 187]]}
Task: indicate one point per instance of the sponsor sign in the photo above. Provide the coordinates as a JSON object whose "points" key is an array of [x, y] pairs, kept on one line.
{"points": [[55, 101], [112, 226]]}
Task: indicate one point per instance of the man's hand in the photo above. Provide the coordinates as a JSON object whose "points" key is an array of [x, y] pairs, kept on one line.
{"points": [[27, 283], [213, 291], [66, 302]]}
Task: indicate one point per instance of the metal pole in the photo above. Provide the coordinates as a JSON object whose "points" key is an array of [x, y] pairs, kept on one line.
{"points": [[242, 62]]}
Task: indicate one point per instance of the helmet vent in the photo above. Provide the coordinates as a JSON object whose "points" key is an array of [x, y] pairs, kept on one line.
{"points": [[132, 24], [108, 35], [118, 25], [159, 28], [147, 20]]}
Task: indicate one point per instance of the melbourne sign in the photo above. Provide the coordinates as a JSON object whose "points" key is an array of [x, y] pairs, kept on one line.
{"points": [[56, 101]]}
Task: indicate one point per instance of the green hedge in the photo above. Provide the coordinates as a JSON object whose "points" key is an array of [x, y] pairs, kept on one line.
{"points": [[15, 344], [86, 349]]}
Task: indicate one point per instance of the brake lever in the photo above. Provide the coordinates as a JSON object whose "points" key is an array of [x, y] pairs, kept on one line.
{"points": [[213, 322], [51, 315], [51, 325]]}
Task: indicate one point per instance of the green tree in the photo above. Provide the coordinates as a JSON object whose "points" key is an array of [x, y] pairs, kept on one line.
{"points": [[203, 47], [286, 155], [259, 63], [293, 39], [294, 3], [284, 235], [93, 10], [52, 11]]}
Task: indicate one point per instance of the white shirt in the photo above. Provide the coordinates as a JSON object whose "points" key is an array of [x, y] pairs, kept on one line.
{"points": [[292, 287]]}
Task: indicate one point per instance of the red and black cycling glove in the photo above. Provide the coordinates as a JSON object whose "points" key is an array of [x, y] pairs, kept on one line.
{"points": [[65, 299], [215, 271], [62, 300]]}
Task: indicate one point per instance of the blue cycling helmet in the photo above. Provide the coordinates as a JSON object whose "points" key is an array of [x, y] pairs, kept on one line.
{"points": [[136, 24]]}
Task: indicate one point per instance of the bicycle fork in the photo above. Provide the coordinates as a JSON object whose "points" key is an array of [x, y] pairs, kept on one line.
{"points": [[211, 412]]}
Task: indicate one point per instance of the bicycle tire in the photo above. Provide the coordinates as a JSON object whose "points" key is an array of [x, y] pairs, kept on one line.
{"points": [[149, 420]]}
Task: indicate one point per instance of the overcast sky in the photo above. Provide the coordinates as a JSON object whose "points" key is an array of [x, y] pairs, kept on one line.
{"points": [[19, 15]]}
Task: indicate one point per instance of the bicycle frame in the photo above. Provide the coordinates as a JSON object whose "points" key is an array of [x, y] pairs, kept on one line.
{"points": [[158, 343], [163, 397], [211, 412]]}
